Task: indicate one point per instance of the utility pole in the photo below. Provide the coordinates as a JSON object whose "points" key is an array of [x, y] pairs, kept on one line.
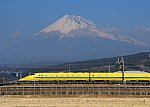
{"points": [[3, 80], [121, 66], [109, 68], [89, 76], [20, 74], [69, 69], [122, 63], [117, 64]]}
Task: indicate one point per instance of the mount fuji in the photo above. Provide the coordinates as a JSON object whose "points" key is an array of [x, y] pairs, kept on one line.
{"points": [[70, 26], [71, 38]]}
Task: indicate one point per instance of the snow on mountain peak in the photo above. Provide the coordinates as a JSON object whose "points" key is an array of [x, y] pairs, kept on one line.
{"points": [[69, 23], [72, 25]]}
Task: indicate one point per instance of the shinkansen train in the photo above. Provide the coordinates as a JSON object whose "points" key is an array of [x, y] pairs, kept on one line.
{"points": [[88, 76]]}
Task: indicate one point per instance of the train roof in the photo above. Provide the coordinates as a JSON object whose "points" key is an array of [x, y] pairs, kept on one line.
{"points": [[131, 72]]}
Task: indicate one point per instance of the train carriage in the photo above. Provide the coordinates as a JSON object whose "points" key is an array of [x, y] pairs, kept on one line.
{"points": [[88, 76]]}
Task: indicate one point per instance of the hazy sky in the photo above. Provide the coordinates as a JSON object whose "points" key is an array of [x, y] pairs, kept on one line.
{"points": [[22, 18]]}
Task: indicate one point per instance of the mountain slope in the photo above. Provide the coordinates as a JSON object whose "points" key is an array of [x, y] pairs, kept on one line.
{"points": [[71, 26], [71, 38], [138, 61]]}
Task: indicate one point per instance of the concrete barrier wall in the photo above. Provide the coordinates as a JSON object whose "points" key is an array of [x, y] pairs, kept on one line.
{"points": [[52, 90]]}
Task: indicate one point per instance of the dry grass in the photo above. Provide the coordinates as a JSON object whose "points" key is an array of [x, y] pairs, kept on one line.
{"points": [[74, 101]]}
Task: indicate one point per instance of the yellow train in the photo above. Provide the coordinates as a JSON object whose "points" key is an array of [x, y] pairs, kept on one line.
{"points": [[86, 76]]}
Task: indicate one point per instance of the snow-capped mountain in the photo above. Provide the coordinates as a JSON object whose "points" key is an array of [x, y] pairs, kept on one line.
{"points": [[71, 26], [71, 38]]}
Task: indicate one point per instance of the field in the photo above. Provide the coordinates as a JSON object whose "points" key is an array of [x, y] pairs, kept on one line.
{"points": [[75, 101]]}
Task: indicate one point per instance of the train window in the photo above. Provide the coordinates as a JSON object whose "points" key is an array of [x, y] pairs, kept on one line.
{"points": [[92, 75], [39, 75]]}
